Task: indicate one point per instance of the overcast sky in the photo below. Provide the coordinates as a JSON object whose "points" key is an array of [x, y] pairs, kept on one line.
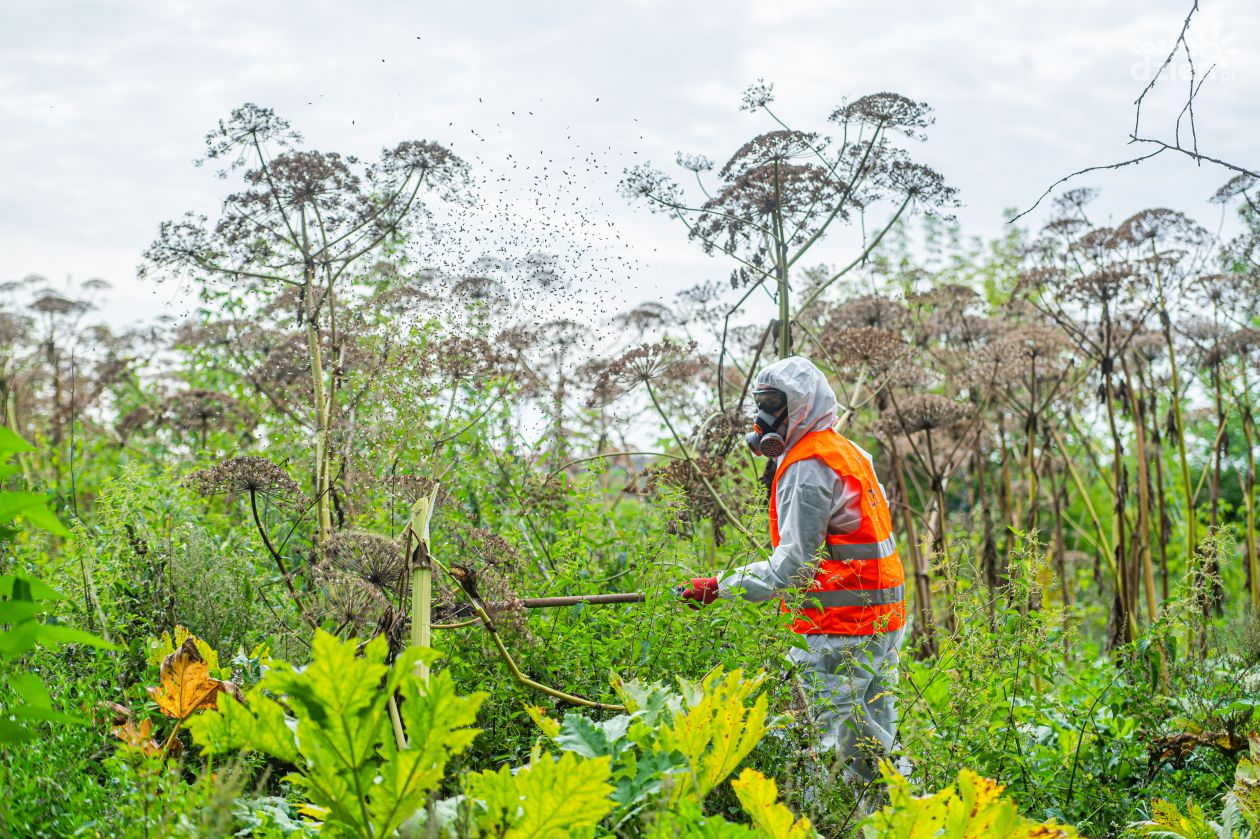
{"points": [[103, 107]]}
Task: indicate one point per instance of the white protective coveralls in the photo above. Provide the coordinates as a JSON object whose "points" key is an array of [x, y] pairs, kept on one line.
{"points": [[849, 678]]}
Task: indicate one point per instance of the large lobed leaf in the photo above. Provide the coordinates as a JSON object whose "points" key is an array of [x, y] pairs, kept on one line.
{"points": [[759, 796], [548, 799], [340, 741], [716, 730]]}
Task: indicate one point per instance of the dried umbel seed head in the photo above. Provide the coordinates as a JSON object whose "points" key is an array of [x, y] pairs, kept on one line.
{"points": [[350, 603], [1161, 225], [924, 413], [1148, 347], [887, 111], [771, 147], [1234, 187], [1226, 291], [757, 95], [693, 162], [491, 549], [243, 474], [1095, 244], [368, 557], [950, 297], [647, 363], [1038, 280], [719, 432], [869, 311], [646, 317], [1105, 285], [461, 359], [134, 420], [13, 327], [1244, 342], [199, 410], [51, 303], [286, 363], [412, 488], [870, 348]]}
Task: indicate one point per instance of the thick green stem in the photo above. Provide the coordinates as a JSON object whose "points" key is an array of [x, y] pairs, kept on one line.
{"points": [[422, 575]]}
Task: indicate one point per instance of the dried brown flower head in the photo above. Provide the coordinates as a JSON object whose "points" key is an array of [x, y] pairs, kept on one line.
{"points": [[350, 603], [1234, 187], [51, 303], [871, 310], [243, 474], [888, 111], [875, 349], [370, 558], [924, 413], [647, 363], [1161, 225], [757, 95], [201, 410]]}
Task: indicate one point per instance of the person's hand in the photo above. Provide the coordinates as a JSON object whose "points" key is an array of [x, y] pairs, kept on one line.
{"points": [[699, 592]]}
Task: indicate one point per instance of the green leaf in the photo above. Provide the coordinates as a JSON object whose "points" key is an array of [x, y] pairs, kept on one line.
{"points": [[582, 737], [439, 726], [11, 443], [548, 799], [16, 611], [11, 732], [33, 507], [31, 689], [57, 634], [233, 728], [26, 588], [33, 712], [717, 731]]}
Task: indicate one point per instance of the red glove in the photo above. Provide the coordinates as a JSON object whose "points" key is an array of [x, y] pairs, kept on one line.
{"points": [[702, 591]]}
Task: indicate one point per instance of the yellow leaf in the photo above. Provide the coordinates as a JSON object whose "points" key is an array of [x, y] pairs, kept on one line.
{"points": [[548, 799], [760, 797], [185, 685], [717, 730], [164, 645], [549, 727], [313, 811]]}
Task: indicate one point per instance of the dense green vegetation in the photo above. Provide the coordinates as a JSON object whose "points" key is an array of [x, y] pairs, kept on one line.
{"points": [[300, 528]]}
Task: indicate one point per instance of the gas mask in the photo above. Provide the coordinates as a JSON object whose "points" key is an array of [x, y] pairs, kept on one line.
{"points": [[766, 438]]}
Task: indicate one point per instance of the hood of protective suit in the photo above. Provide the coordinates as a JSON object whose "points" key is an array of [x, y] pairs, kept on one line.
{"points": [[811, 403]]}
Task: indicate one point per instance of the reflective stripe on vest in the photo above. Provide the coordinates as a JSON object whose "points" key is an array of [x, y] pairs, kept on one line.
{"points": [[859, 587], [847, 597], [864, 550]]}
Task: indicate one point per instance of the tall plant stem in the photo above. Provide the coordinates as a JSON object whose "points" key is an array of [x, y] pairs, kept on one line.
{"points": [[319, 406], [1083, 493], [1249, 490], [939, 543], [280, 564], [1192, 516], [1161, 502], [781, 273], [921, 570], [421, 557], [1142, 533], [717, 499]]}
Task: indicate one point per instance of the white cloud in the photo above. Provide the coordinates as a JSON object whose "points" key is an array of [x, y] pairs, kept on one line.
{"points": [[104, 105]]}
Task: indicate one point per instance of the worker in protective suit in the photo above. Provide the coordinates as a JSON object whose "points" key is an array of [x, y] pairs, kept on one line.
{"points": [[832, 535]]}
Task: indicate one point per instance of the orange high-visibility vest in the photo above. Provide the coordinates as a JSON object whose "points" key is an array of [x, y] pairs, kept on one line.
{"points": [[859, 588]]}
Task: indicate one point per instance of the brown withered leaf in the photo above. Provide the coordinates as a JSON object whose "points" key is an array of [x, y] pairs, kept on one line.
{"points": [[138, 737], [185, 685]]}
